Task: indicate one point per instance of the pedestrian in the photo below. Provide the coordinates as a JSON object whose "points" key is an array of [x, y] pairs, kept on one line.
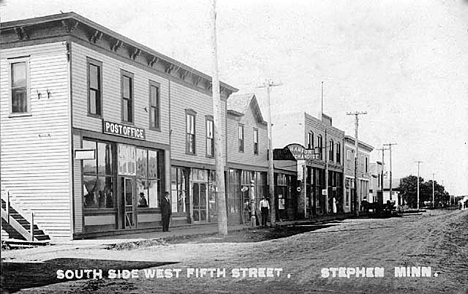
{"points": [[247, 212], [166, 212], [264, 207], [142, 202], [281, 207]]}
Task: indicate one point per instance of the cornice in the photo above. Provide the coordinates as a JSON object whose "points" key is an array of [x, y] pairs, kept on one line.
{"points": [[30, 31]]}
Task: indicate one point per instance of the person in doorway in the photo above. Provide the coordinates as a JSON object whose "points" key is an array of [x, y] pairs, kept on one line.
{"points": [[281, 207], [166, 212], [264, 207], [142, 202]]}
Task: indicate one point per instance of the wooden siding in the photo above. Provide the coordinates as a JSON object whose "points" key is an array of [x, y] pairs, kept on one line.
{"points": [[111, 91], [183, 98], [35, 149], [78, 187], [247, 157]]}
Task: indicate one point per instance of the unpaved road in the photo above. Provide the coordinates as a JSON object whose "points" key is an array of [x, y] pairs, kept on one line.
{"points": [[435, 239]]}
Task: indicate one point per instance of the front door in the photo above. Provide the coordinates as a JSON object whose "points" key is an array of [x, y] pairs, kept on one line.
{"points": [[129, 202], [200, 196]]}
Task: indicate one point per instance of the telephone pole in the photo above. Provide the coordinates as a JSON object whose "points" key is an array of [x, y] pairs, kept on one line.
{"points": [[268, 85], [218, 142], [417, 192], [433, 191], [390, 182], [357, 200], [380, 200]]}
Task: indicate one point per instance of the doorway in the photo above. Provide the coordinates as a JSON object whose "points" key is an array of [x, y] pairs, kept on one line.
{"points": [[127, 190], [200, 197]]}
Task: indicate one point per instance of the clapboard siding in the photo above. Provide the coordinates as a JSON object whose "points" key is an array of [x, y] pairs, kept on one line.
{"points": [[78, 188], [35, 149], [247, 157], [111, 91], [183, 98]]}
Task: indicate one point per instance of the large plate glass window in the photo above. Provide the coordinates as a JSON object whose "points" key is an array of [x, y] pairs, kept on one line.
{"points": [[99, 175]]}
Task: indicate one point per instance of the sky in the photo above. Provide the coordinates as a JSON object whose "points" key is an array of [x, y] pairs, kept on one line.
{"points": [[403, 62]]}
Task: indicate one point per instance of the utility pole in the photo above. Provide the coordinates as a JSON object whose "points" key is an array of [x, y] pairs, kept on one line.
{"points": [[390, 182], [268, 85], [382, 175], [417, 192], [357, 200], [433, 191], [327, 197], [218, 142]]}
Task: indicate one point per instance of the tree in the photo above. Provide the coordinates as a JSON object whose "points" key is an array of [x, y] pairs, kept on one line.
{"points": [[408, 188]]}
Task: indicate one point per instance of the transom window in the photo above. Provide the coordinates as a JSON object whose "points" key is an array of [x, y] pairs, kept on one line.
{"points": [[20, 102]]}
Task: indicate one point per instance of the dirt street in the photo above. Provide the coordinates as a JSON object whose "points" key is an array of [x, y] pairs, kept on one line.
{"points": [[350, 256]]}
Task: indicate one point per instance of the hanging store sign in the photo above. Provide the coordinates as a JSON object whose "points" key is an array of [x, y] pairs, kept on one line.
{"points": [[294, 152], [123, 130]]}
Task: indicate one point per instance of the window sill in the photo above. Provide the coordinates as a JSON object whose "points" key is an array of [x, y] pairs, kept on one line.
{"points": [[14, 115], [95, 115], [99, 211], [155, 129]]}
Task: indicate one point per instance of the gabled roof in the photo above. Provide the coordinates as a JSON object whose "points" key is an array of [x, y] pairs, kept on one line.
{"points": [[239, 104]]}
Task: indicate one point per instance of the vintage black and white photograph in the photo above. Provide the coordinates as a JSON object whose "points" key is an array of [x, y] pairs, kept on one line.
{"points": [[250, 146]]}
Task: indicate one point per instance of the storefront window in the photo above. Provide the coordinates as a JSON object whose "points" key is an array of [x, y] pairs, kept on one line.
{"points": [[148, 178], [98, 176], [179, 194]]}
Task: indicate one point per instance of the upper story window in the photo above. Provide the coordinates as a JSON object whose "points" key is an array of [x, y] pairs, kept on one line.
{"points": [[320, 146], [209, 137], [331, 151], [94, 87], [338, 152], [348, 154], [154, 106], [127, 96], [190, 132], [367, 164], [19, 77], [310, 140], [255, 141], [241, 138]]}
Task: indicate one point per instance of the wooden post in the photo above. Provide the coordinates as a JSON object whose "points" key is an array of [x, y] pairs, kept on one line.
{"points": [[218, 137], [31, 226]]}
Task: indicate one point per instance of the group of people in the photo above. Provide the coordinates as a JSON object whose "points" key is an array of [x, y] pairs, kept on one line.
{"points": [[166, 209], [264, 207]]}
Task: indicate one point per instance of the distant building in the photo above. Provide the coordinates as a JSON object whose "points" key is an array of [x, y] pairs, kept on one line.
{"points": [[363, 172], [320, 172], [375, 185]]}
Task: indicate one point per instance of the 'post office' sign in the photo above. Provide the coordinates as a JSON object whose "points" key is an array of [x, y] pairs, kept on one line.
{"points": [[123, 130]]}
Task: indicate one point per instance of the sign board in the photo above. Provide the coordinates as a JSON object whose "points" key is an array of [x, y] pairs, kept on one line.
{"points": [[85, 154], [294, 152], [123, 130]]}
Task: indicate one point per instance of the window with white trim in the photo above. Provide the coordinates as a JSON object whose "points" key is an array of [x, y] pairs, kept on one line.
{"points": [[19, 77]]}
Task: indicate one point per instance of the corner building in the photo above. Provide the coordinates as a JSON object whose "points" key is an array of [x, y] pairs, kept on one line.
{"points": [[96, 127]]}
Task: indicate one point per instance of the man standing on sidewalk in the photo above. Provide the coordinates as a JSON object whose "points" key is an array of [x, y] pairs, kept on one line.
{"points": [[166, 212], [264, 207]]}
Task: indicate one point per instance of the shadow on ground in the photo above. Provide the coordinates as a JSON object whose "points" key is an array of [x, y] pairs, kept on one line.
{"points": [[20, 275]]}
